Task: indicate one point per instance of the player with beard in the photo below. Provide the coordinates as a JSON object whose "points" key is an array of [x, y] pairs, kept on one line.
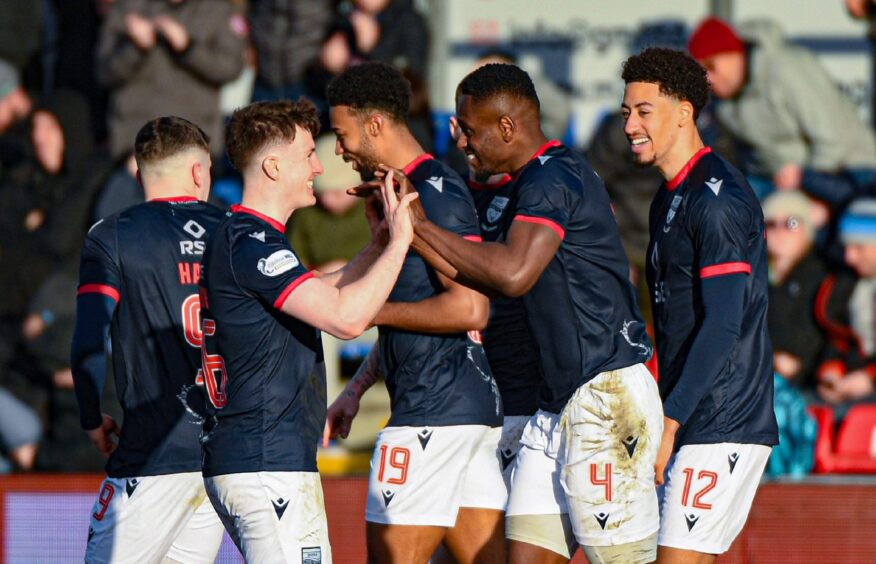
{"points": [[434, 474], [138, 279], [584, 471], [707, 273]]}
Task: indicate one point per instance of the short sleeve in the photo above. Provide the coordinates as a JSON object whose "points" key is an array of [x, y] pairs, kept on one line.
{"points": [[270, 270], [543, 197], [99, 266], [719, 225], [449, 205]]}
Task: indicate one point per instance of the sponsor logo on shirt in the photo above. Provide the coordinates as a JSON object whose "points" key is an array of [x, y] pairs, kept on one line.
{"points": [[278, 263]]}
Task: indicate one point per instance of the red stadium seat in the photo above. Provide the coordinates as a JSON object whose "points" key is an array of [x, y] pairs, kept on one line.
{"points": [[857, 436], [855, 449], [824, 439]]}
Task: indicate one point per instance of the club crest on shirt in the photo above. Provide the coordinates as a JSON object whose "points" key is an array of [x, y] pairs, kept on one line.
{"points": [[673, 208], [278, 263], [497, 206]]}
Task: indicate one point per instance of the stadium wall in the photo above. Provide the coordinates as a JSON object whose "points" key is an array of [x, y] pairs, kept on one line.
{"points": [[44, 518]]}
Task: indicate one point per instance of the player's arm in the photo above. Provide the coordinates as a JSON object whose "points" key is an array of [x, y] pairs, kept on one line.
{"points": [[95, 303], [340, 414], [511, 268], [458, 308], [359, 265], [720, 235], [346, 311]]}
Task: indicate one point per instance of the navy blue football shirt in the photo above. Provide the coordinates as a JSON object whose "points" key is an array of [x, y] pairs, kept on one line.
{"points": [[263, 369], [507, 340], [145, 261], [582, 311], [706, 222], [437, 380]]}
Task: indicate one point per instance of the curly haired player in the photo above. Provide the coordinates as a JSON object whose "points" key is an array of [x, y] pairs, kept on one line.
{"points": [[707, 274]]}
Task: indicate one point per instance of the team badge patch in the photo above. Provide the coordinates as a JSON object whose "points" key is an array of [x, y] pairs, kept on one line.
{"points": [[673, 208], [278, 263], [311, 555], [497, 206]]}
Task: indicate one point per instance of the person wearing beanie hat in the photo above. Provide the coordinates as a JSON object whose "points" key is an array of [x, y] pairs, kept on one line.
{"points": [[846, 312], [328, 235], [796, 272], [777, 99]]}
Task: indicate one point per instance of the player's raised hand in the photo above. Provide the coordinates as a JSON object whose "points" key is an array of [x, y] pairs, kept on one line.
{"points": [[376, 220], [397, 212], [405, 187], [339, 416], [102, 436]]}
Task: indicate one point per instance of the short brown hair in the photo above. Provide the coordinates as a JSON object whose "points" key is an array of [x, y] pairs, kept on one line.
{"points": [[166, 136], [258, 125]]}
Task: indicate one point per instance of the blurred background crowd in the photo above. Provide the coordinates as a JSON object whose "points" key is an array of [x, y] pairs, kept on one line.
{"points": [[79, 77]]}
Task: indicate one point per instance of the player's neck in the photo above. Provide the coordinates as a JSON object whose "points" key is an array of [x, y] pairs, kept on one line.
{"points": [[404, 149], [162, 191], [685, 147], [528, 148], [268, 206]]}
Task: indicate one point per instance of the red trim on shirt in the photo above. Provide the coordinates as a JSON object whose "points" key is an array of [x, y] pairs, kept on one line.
{"points": [[506, 178], [281, 299], [104, 289], [553, 225], [545, 147], [473, 238], [175, 199], [416, 162], [237, 208], [685, 170], [725, 268]]}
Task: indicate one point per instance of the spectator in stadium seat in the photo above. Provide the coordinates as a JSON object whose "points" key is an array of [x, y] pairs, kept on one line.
{"points": [[786, 111], [796, 272], [846, 310], [328, 235], [161, 57]]}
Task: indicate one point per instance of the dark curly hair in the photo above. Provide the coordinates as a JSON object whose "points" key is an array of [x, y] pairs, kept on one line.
{"points": [[495, 79], [675, 72], [258, 125], [372, 86]]}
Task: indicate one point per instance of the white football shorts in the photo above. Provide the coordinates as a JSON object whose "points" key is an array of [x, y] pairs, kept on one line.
{"points": [[708, 494], [423, 475], [595, 461], [149, 518], [273, 516]]}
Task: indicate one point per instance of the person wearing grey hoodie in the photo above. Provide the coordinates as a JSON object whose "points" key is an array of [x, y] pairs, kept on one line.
{"points": [[778, 101]]}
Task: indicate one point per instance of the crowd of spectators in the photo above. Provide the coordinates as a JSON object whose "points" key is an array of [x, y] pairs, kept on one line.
{"points": [[79, 77]]}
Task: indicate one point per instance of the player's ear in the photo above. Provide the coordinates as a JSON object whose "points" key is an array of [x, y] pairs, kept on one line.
{"points": [[374, 124], [506, 127], [271, 167], [685, 113]]}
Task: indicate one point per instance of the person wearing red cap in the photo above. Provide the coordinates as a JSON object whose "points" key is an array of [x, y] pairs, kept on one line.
{"points": [[777, 100]]}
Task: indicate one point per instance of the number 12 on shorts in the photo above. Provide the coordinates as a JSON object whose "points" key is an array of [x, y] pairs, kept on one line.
{"points": [[712, 478]]}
